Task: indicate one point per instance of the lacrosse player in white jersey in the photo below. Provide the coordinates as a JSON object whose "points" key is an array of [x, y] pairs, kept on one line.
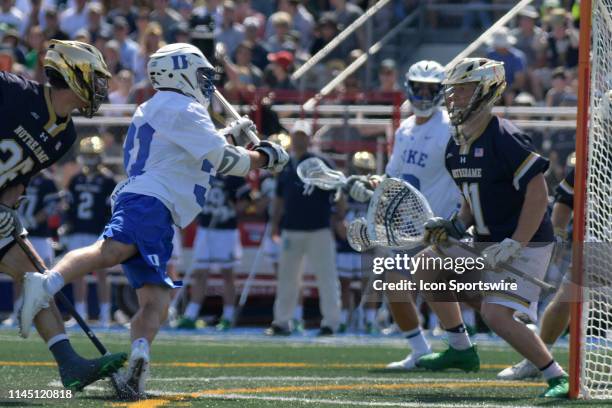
{"points": [[418, 158], [171, 152]]}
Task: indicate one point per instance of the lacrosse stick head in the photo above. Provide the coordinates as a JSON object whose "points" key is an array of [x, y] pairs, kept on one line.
{"points": [[357, 235], [315, 172], [397, 214]]}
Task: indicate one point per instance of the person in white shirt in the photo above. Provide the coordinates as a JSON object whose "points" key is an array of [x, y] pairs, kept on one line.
{"points": [[171, 152], [74, 18], [418, 158]]}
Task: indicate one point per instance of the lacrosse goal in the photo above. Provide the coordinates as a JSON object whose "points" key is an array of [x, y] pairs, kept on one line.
{"points": [[591, 321]]}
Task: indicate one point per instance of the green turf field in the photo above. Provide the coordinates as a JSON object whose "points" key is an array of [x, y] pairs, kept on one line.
{"points": [[252, 371]]}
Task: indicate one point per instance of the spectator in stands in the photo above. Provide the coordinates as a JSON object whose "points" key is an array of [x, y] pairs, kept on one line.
{"points": [[230, 33], [74, 18], [34, 16], [122, 84], [127, 10], [346, 13], [111, 54], [562, 41], [302, 21], [387, 76], [560, 94], [244, 10], [243, 75], [37, 48], [166, 17], [10, 44], [306, 234], [182, 33], [12, 16], [128, 48], [83, 36], [210, 14], [278, 73], [142, 21], [327, 29], [281, 21], [95, 22], [259, 54], [52, 27], [184, 8], [151, 41], [514, 61]]}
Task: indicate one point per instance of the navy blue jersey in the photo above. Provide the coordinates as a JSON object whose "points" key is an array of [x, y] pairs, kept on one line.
{"points": [[492, 173], [565, 191], [354, 210], [42, 200], [33, 137], [89, 202], [219, 210], [302, 212]]}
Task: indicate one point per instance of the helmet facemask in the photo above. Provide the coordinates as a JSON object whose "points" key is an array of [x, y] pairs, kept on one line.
{"points": [[98, 95], [423, 106], [205, 87]]}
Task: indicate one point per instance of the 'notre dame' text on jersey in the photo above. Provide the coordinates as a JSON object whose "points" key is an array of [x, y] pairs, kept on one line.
{"points": [[41, 195], [89, 202], [33, 137], [219, 211], [492, 173]]}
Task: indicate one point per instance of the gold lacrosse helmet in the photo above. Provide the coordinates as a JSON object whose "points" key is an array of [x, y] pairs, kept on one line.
{"points": [[282, 139], [90, 152], [364, 161], [84, 70]]}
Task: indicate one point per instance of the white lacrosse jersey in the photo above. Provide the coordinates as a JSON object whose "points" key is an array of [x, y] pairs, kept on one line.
{"points": [[165, 154], [418, 158]]}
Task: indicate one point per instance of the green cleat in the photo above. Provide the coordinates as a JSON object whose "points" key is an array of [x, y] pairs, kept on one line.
{"points": [[298, 326], [78, 374], [342, 328], [370, 328], [466, 360], [186, 323], [558, 387], [224, 325]]}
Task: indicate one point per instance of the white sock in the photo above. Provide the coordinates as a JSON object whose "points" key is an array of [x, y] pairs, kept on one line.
{"points": [[81, 309], [56, 339], [433, 321], [458, 338], [105, 311], [370, 315], [298, 313], [138, 342], [343, 316], [16, 305], [552, 370], [54, 282], [228, 312], [192, 311], [418, 342]]}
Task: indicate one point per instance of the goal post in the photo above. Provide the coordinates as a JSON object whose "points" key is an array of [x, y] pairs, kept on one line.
{"points": [[591, 308]]}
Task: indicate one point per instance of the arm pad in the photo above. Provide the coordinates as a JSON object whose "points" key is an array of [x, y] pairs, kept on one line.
{"points": [[230, 160]]}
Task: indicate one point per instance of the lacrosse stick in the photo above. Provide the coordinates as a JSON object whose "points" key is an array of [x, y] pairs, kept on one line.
{"points": [[397, 214], [229, 108], [313, 171], [122, 389]]}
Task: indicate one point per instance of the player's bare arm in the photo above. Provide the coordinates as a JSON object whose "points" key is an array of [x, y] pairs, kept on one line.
{"points": [[534, 208]]}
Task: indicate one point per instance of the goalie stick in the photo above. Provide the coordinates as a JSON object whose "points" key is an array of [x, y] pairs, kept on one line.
{"points": [[397, 214]]}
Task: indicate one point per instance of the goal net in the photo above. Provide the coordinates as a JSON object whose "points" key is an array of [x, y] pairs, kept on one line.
{"points": [[591, 343]]}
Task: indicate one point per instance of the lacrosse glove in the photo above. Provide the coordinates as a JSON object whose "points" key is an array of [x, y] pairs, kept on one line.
{"points": [[358, 188], [238, 129], [277, 156], [501, 252], [438, 229]]}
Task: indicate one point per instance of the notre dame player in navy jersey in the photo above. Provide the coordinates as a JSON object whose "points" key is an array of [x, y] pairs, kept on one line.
{"points": [[88, 211], [505, 198], [556, 316], [217, 244], [36, 131]]}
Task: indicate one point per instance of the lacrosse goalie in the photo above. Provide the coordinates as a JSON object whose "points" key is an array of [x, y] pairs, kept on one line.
{"points": [[505, 198], [418, 158], [171, 152]]}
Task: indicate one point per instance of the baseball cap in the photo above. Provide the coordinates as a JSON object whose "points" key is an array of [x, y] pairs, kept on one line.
{"points": [[301, 126], [282, 58], [251, 21]]}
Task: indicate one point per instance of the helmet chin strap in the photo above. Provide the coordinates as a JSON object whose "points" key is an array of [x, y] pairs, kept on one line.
{"points": [[474, 125]]}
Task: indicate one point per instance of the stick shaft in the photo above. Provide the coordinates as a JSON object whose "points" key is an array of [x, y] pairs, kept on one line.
{"points": [[233, 113]]}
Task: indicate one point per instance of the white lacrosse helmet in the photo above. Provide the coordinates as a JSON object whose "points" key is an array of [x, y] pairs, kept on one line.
{"points": [[429, 72], [490, 77], [182, 67]]}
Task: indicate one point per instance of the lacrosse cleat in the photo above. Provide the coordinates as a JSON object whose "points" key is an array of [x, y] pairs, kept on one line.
{"points": [[79, 373], [558, 387], [224, 325], [407, 364], [520, 371], [466, 360], [35, 298], [138, 370], [186, 323]]}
